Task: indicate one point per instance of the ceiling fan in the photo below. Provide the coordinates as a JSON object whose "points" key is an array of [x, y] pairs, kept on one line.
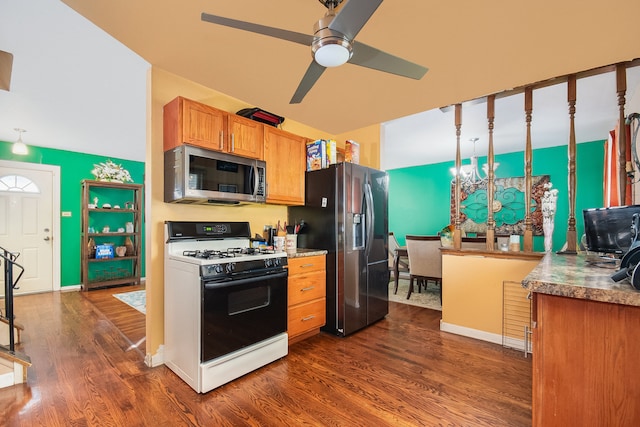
{"points": [[332, 43]]}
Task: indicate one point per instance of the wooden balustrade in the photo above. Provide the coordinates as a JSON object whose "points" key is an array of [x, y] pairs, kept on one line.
{"points": [[571, 243]]}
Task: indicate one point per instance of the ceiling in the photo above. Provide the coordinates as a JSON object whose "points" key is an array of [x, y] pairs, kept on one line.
{"points": [[471, 48], [430, 136]]}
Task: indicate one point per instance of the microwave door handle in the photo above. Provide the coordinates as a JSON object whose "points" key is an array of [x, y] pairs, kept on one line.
{"points": [[256, 179]]}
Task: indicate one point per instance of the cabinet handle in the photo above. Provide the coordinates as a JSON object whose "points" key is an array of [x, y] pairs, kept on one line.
{"points": [[222, 140], [233, 142], [308, 288], [313, 316], [306, 265]]}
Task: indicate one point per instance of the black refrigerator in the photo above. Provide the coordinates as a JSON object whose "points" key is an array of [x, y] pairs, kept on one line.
{"points": [[345, 213]]}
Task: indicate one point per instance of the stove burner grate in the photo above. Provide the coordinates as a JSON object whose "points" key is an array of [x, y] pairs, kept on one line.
{"points": [[228, 253]]}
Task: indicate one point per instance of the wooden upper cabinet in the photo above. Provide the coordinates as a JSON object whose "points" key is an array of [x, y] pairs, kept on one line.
{"points": [[190, 122], [246, 137], [285, 154], [193, 123]]}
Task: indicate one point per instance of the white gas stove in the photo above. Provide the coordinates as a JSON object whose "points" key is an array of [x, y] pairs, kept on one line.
{"points": [[225, 303]]}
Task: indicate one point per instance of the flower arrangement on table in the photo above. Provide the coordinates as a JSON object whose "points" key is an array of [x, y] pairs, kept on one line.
{"points": [[109, 171]]}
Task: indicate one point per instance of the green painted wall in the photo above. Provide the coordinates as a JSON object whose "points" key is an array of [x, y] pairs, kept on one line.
{"points": [[419, 195], [74, 167]]}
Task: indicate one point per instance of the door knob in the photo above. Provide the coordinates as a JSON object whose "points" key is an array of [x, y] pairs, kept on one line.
{"points": [[47, 238]]}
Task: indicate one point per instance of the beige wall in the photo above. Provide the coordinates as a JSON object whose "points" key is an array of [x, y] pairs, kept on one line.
{"points": [[369, 140], [472, 289], [165, 87]]}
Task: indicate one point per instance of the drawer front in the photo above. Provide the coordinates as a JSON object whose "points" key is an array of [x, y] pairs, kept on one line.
{"points": [[306, 287], [307, 316], [303, 265]]}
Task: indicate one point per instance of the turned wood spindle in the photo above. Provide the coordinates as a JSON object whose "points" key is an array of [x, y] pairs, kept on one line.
{"points": [[491, 223], [571, 225], [528, 221], [621, 84], [457, 235]]}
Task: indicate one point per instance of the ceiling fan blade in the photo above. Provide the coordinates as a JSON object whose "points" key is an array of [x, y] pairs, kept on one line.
{"points": [[352, 15], [278, 33], [312, 75], [370, 57]]}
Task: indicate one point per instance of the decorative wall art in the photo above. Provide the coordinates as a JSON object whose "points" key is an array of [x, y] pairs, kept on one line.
{"points": [[508, 205]]}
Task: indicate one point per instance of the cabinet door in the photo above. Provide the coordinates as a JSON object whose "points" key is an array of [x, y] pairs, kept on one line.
{"points": [[203, 126], [246, 137], [285, 154]]}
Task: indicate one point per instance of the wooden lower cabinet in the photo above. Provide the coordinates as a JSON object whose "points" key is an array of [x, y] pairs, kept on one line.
{"points": [[586, 370], [307, 296]]}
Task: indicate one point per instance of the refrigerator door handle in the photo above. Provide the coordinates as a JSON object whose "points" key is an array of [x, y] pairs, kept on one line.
{"points": [[369, 218]]}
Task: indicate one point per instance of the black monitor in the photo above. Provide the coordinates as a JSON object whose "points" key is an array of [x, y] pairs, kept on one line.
{"points": [[608, 230]]}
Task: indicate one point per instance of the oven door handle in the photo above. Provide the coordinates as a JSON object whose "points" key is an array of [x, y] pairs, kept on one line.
{"points": [[239, 282]]}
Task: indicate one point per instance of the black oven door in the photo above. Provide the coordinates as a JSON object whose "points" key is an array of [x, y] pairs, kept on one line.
{"points": [[242, 312]]}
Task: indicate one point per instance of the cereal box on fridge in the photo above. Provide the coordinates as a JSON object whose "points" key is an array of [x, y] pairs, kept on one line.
{"points": [[315, 154], [352, 152], [331, 151]]}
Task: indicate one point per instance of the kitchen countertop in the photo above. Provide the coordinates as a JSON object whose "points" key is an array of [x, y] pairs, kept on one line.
{"points": [[574, 277], [306, 252]]}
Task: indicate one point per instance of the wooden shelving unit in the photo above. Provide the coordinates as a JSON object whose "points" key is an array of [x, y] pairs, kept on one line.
{"points": [[119, 270]]}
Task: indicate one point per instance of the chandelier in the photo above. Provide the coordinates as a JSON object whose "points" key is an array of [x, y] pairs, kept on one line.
{"points": [[469, 173]]}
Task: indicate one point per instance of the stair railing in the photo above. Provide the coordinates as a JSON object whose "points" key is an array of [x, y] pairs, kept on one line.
{"points": [[9, 285]]}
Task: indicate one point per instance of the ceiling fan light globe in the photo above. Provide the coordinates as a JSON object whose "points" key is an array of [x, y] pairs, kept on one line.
{"points": [[332, 55]]}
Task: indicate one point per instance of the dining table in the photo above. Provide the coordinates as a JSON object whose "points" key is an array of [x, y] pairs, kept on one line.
{"points": [[400, 251]]}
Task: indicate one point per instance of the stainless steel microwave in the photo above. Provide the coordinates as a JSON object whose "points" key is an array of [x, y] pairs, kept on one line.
{"points": [[194, 175]]}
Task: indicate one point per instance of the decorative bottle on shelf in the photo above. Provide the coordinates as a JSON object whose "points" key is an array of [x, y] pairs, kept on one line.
{"points": [[91, 248], [129, 245]]}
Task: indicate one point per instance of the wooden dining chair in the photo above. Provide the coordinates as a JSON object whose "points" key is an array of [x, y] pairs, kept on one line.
{"points": [[403, 262], [426, 262]]}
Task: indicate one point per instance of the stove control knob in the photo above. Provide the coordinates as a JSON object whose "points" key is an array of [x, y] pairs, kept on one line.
{"points": [[231, 267], [267, 263], [276, 262], [217, 268]]}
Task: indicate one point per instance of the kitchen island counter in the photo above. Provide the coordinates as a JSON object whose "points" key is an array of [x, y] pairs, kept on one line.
{"points": [[577, 276], [585, 344]]}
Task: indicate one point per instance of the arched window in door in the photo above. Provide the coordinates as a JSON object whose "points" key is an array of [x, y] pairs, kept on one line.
{"points": [[18, 184]]}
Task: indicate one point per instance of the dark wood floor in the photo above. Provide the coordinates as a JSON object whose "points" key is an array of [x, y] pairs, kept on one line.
{"points": [[402, 371], [129, 321]]}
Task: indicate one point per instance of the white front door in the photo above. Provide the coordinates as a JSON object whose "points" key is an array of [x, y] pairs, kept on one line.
{"points": [[27, 223]]}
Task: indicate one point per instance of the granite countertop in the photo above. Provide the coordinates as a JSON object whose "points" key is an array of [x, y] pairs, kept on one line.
{"points": [[306, 252], [573, 276]]}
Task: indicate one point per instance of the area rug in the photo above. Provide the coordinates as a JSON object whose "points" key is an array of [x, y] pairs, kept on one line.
{"points": [[135, 299], [427, 299]]}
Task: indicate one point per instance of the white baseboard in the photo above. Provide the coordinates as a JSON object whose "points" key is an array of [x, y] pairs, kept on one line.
{"points": [[79, 286], [153, 360], [471, 333]]}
